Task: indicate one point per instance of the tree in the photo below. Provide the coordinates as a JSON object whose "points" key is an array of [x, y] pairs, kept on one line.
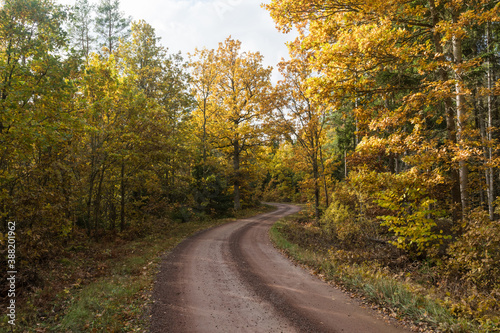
{"points": [[33, 91], [99, 104], [204, 76], [210, 182], [37, 126], [111, 24], [163, 81], [304, 118], [241, 89], [237, 105], [81, 26]]}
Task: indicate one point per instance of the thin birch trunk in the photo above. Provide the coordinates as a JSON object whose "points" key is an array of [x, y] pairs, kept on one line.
{"points": [[461, 119], [489, 136]]}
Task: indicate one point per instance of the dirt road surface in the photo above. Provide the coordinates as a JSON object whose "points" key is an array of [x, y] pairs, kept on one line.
{"points": [[231, 279]]}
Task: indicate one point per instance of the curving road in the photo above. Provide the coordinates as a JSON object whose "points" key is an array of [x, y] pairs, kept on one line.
{"points": [[231, 279]]}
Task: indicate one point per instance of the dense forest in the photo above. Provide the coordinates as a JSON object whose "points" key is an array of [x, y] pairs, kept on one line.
{"points": [[384, 122]]}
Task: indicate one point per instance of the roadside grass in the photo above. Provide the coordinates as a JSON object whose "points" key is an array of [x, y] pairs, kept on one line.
{"points": [[106, 286], [396, 296]]}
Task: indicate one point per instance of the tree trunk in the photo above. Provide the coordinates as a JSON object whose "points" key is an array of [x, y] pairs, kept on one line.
{"points": [[480, 120], [449, 114], [327, 203], [97, 203], [461, 119], [489, 171], [356, 133], [345, 164], [89, 205], [90, 193], [316, 186], [236, 170], [204, 137], [122, 199]]}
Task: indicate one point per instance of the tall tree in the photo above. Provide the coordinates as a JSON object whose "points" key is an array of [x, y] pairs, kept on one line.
{"points": [[33, 90], [111, 24], [210, 182], [242, 87], [100, 85], [304, 118], [237, 102], [81, 28], [163, 80], [204, 76], [37, 126]]}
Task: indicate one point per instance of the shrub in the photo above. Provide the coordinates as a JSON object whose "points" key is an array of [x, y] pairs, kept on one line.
{"points": [[476, 253], [409, 211], [341, 223]]}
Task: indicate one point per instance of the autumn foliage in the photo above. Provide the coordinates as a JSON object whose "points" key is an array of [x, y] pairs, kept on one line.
{"points": [[104, 132], [413, 115], [385, 122]]}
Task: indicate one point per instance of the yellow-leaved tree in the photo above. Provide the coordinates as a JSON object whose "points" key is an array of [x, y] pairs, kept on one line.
{"points": [[231, 88], [304, 118]]}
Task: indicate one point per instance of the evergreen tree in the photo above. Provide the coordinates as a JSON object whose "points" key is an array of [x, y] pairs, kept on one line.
{"points": [[111, 24], [80, 29]]}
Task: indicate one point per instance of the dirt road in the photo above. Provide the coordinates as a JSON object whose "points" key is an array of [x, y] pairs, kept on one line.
{"points": [[231, 279]]}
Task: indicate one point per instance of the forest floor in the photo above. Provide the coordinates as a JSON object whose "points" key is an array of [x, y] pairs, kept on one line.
{"points": [[104, 285]]}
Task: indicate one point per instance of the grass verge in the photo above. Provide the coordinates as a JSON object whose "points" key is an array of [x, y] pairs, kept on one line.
{"points": [[395, 296], [106, 286]]}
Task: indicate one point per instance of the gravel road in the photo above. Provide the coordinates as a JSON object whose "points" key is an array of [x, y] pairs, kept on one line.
{"points": [[231, 279]]}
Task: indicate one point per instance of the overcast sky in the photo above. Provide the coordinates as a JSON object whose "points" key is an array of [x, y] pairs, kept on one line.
{"points": [[184, 25]]}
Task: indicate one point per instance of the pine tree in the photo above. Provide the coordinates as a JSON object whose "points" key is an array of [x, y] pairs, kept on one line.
{"points": [[80, 28], [111, 24]]}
